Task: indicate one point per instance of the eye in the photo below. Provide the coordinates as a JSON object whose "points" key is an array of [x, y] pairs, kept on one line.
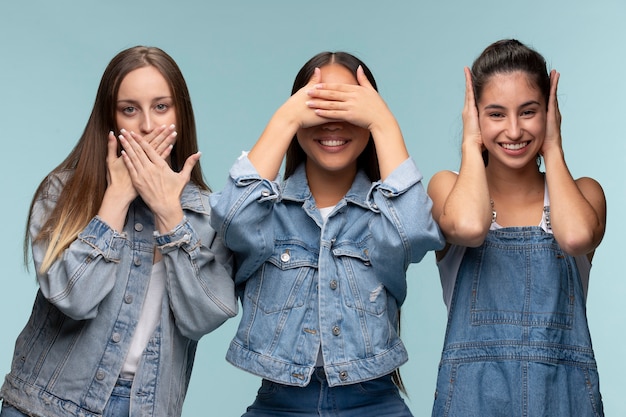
{"points": [[129, 110], [528, 113], [496, 115], [162, 107]]}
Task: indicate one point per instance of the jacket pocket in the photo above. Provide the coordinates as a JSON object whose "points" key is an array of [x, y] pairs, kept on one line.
{"points": [[362, 288], [284, 282]]}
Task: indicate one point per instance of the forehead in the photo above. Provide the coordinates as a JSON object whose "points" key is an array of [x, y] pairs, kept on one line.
{"points": [[336, 73], [143, 81], [516, 85]]}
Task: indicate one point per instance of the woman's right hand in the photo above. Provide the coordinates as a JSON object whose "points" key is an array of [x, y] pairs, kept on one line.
{"points": [[296, 108], [471, 127], [118, 179]]}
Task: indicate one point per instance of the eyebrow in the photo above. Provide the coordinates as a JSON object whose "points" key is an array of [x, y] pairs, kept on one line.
{"points": [[500, 107], [153, 100]]}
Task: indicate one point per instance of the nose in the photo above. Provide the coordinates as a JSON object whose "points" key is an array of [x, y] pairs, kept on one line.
{"points": [[332, 126], [146, 125], [514, 129]]}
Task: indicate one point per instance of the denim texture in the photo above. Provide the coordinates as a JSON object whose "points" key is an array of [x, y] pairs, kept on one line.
{"points": [[517, 341], [68, 357], [119, 401], [377, 397], [303, 282]]}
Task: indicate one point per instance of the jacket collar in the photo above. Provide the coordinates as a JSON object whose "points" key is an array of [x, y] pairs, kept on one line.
{"points": [[296, 188]]}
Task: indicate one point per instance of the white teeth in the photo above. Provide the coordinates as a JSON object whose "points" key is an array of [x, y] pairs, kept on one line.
{"points": [[514, 146], [332, 142]]}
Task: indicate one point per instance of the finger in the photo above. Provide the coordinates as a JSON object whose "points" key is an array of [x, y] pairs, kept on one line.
{"points": [[132, 149], [111, 147], [145, 152], [163, 139], [168, 140], [470, 100], [362, 78], [189, 164], [316, 77]]}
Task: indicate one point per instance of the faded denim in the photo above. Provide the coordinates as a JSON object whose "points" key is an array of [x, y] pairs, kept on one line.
{"points": [[517, 342], [302, 282], [69, 356]]}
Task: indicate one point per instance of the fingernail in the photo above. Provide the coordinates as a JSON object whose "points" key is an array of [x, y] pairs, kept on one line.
{"points": [[123, 130]]}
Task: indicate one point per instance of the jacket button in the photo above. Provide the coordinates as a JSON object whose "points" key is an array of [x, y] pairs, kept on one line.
{"points": [[265, 193], [285, 256], [128, 298], [336, 330], [343, 375], [333, 284], [138, 227], [116, 337], [137, 261], [100, 375]]}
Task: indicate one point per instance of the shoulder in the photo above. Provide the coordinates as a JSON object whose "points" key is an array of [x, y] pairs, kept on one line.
{"points": [[592, 191], [441, 183], [52, 186]]}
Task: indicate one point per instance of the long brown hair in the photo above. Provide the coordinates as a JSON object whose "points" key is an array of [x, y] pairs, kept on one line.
{"points": [[82, 195]]}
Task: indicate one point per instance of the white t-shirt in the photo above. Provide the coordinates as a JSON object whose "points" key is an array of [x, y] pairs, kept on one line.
{"points": [[148, 320]]}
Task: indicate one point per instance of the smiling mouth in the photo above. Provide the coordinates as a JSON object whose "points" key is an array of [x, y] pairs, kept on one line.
{"points": [[333, 142], [514, 146]]}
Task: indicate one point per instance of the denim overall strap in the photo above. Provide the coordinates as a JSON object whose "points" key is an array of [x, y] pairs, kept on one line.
{"points": [[517, 341]]}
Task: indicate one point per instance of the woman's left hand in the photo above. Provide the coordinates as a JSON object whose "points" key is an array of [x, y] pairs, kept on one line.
{"points": [[552, 140], [155, 181]]}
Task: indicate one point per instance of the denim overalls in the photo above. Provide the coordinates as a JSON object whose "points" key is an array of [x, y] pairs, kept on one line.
{"points": [[517, 341]]}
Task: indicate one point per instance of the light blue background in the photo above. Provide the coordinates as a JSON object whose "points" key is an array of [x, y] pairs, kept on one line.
{"points": [[240, 58]]}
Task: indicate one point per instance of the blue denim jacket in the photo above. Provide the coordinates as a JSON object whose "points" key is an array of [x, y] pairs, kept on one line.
{"points": [[68, 357], [302, 282]]}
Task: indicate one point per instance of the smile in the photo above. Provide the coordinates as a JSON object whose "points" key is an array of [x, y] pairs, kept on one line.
{"points": [[333, 142], [514, 146]]}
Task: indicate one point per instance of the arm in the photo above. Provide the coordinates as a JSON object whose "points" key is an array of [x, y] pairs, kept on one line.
{"points": [[577, 208], [405, 230], [461, 204], [199, 275], [241, 214], [85, 272]]}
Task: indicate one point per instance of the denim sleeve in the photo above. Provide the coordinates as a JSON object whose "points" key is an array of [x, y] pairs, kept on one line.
{"points": [[406, 225], [85, 273], [199, 276], [240, 214]]}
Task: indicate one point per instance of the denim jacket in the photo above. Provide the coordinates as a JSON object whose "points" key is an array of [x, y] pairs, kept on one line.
{"points": [[303, 282], [68, 357]]}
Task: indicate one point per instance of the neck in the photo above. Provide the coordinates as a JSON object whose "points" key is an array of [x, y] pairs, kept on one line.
{"points": [[328, 187]]}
